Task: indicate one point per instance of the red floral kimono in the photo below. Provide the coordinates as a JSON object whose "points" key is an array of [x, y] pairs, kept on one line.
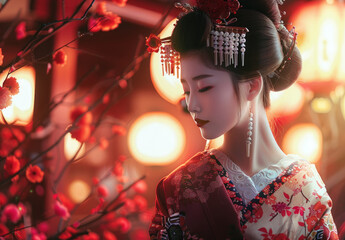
{"points": [[199, 201]]}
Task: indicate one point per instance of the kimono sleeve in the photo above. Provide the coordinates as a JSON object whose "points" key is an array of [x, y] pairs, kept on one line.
{"points": [[324, 227], [320, 220], [157, 223]]}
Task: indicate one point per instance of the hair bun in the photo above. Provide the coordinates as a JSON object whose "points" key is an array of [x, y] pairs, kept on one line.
{"points": [[269, 8], [291, 70], [282, 79]]}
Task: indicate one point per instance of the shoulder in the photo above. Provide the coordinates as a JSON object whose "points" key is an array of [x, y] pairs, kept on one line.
{"points": [[174, 178], [168, 188], [306, 176], [303, 167], [306, 167]]}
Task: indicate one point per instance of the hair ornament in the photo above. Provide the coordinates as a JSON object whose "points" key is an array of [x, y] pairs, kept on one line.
{"points": [[184, 6], [291, 37], [153, 43], [228, 42], [218, 9], [170, 59]]}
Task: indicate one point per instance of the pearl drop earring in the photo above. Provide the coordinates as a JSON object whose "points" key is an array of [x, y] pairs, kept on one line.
{"points": [[249, 132]]}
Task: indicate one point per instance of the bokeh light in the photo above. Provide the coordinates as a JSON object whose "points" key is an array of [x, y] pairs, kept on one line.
{"points": [[216, 143], [321, 40], [78, 191], [168, 87], [321, 105], [22, 107], [342, 106], [304, 140], [288, 102], [156, 138], [71, 147]]}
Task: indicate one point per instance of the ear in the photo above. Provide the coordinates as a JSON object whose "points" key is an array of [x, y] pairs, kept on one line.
{"points": [[254, 87]]}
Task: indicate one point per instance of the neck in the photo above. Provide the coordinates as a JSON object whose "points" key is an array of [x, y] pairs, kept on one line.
{"points": [[264, 150]]}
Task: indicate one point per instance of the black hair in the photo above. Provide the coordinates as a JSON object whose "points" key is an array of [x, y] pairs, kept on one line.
{"points": [[265, 46]]}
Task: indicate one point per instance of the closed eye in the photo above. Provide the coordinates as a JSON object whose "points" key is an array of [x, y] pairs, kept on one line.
{"points": [[205, 89], [186, 93]]}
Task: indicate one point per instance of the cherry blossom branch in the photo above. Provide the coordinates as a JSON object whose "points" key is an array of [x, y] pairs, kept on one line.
{"points": [[33, 160], [75, 159], [87, 198], [125, 76], [53, 105], [64, 45], [25, 227], [63, 21], [108, 208], [58, 179], [101, 214], [36, 41], [9, 127]]}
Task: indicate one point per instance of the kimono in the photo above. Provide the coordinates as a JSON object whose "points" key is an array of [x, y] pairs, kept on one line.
{"points": [[200, 201]]}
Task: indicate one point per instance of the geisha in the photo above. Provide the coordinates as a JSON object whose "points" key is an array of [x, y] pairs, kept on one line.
{"points": [[231, 55]]}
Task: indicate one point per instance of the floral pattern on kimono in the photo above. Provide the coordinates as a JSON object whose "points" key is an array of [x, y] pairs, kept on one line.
{"points": [[203, 203]]}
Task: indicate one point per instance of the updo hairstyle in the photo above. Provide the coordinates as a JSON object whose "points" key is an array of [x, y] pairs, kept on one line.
{"points": [[265, 46]]}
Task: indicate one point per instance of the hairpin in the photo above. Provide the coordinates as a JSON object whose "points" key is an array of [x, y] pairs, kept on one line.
{"points": [[292, 36], [227, 42]]}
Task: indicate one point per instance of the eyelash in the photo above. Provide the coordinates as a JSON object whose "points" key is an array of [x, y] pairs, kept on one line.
{"points": [[201, 90], [205, 89]]}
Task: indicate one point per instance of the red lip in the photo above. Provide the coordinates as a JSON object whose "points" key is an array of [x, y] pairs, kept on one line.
{"points": [[200, 122]]}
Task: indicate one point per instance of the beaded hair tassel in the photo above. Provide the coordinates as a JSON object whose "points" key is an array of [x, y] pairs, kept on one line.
{"points": [[227, 42], [170, 60]]}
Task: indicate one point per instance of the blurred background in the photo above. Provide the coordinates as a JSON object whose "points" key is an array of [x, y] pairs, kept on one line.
{"points": [[153, 133]]}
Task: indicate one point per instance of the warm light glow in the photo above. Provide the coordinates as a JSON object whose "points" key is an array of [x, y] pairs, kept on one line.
{"points": [[341, 70], [71, 146], [167, 86], [22, 106], [342, 106], [216, 143], [328, 44], [78, 191], [337, 94], [321, 40], [156, 139], [97, 157], [287, 102], [304, 140], [321, 105]]}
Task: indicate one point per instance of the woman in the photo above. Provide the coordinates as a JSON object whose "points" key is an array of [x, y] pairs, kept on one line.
{"points": [[248, 188]]}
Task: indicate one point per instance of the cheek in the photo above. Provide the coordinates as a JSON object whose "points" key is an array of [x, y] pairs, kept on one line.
{"points": [[226, 105], [226, 98]]}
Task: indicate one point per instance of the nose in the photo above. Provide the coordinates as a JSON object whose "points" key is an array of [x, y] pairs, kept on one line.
{"points": [[193, 104]]}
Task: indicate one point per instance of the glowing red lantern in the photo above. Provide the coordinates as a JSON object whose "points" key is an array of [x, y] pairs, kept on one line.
{"points": [[321, 40]]}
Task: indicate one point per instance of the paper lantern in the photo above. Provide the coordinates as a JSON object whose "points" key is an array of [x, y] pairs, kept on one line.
{"points": [[22, 108], [168, 87], [156, 138], [304, 140], [321, 40]]}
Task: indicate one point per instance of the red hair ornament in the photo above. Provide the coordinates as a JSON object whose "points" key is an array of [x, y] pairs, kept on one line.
{"points": [[218, 9]]}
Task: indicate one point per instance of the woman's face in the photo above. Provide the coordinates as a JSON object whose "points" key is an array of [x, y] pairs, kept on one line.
{"points": [[210, 96]]}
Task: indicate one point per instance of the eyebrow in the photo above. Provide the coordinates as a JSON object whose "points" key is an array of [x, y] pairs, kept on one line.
{"points": [[199, 77]]}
